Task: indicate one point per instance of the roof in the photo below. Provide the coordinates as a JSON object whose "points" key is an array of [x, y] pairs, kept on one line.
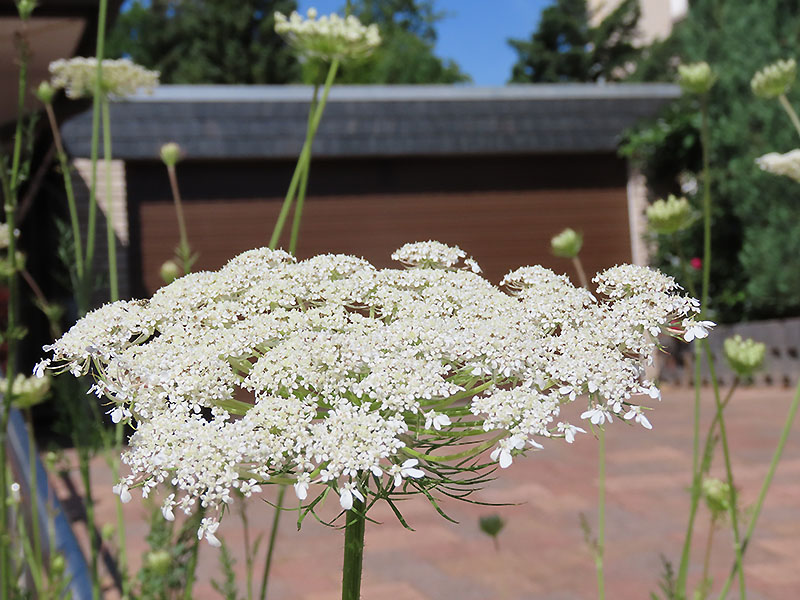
{"points": [[227, 122]]}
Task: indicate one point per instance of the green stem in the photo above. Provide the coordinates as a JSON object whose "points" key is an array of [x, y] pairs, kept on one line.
{"points": [[776, 457], [705, 584], [576, 261], [273, 534], [10, 189], [695, 489], [32, 475], [790, 111], [355, 526], [111, 239], [191, 568], [122, 558], [86, 480], [723, 435], [305, 157], [185, 253], [248, 549], [601, 512], [96, 102], [301, 194]]}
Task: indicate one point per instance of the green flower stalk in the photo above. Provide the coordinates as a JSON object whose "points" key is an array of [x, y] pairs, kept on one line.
{"points": [[744, 356], [170, 155]]}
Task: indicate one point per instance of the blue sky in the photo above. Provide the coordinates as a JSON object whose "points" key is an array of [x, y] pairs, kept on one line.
{"points": [[474, 32]]}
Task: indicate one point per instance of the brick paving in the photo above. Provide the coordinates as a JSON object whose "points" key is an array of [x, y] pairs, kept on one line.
{"points": [[542, 554]]}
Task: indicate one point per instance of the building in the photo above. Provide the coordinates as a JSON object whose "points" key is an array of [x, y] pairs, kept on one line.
{"points": [[497, 171]]}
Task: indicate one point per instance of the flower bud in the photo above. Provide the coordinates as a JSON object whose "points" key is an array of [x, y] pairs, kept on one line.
{"points": [[491, 525], [170, 271], [670, 215], [170, 154], [108, 531], [25, 8], [45, 92], [567, 244], [159, 561], [696, 78], [774, 80], [716, 493], [57, 565], [745, 356]]}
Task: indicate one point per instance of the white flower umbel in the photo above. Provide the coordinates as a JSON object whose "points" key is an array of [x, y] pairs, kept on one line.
{"points": [[121, 77], [781, 164], [331, 372], [329, 36]]}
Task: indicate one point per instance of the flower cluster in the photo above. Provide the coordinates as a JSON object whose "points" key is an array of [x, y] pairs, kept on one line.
{"points": [[120, 78], [696, 78], [329, 371], [774, 80], [328, 37], [787, 164], [744, 356], [669, 216]]}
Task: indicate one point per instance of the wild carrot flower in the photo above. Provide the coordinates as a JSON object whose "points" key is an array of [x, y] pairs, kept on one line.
{"points": [[329, 36], [330, 372], [121, 77], [781, 164]]}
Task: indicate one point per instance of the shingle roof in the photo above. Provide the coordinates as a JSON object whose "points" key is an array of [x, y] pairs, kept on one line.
{"points": [[215, 122]]}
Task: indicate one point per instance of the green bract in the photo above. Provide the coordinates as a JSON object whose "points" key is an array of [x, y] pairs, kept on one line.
{"points": [[696, 78], [670, 215], [774, 80], [745, 356]]}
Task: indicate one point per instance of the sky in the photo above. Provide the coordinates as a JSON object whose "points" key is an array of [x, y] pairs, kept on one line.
{"points": [[474, 32]]}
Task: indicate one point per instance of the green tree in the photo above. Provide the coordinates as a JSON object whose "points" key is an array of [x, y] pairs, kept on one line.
{"points": [[566, 47], [206, 41], [756, 233], [406, 55]]}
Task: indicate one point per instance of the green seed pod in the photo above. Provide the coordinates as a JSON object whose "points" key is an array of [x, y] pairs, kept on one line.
{"points": [[745, 356], [774, 80], [567, 244], [670, 215], [696, 78]]}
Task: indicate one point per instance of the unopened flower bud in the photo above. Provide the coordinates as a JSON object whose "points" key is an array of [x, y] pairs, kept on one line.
{"points": [[670, 215], [774, 80], [567, 244], [159, 561], [45, 92], [57, 564], [170, 271], [108, 531], [696, 78], [716, 493], [492, 525], [745, 356], [170, 154], [25, 8]]}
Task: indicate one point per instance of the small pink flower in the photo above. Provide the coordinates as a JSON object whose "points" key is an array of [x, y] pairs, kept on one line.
{"points": [[697, 263]]}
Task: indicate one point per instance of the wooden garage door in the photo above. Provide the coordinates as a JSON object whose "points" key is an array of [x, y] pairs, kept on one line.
{"points": [[501, 230]]}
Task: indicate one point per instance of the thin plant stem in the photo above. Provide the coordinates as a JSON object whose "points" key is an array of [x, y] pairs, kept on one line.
{"points": [[32, 475], [65, 171], [776, 457], [301, 194], [184, 248], [601, 512], [305, 156], [10, 190], [93, 152], [355, 526], [273, 534], [248, 550], [723, 435], [790, 111], [704, 583], [122, 557], [576, 261], [706, 280], [111, 239], [86, 480]]}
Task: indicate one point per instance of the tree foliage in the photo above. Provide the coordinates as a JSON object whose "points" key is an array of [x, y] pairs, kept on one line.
{"points": [[406, 55], [567, 47], [206, 41], [756, 216]]}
